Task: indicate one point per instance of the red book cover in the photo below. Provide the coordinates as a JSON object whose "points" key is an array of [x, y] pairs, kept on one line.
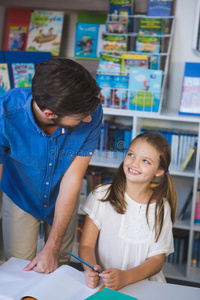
{"points": [[17, 27]]}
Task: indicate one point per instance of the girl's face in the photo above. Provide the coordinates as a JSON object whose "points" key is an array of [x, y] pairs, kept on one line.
{"points": [[141, 162]]}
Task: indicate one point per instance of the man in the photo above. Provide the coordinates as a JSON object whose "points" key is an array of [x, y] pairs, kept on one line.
{"points": [[47, 137]]}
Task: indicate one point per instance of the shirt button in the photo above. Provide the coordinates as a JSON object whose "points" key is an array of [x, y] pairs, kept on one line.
{"points": [[90, 153], [44, 205], [50, 164], [51, 139], [47, 183], [45, 196]]}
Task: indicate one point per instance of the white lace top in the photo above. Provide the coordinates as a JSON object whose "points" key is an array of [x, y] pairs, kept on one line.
{"points": [[126, 240]]}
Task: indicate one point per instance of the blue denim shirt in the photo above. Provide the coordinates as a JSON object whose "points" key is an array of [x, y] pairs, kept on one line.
{"points": [[34, 162]]}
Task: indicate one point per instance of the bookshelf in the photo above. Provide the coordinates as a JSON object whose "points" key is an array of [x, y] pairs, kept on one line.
{"points": [[168, 118]]}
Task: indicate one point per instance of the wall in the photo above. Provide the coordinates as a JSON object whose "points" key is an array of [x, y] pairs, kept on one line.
{"points": [[2, 25], [185, 12]]}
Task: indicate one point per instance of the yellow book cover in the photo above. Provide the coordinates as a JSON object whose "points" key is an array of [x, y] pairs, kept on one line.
{"points": [[130, 61]]}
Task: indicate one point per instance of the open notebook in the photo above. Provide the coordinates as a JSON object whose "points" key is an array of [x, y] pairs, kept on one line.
{"points": [[63, 284]]}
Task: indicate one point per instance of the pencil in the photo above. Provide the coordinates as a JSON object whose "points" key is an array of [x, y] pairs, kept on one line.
{"points": [[84, 262], [101, 288]]}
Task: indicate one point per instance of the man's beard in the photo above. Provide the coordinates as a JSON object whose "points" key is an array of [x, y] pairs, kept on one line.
{"points": [[56, 121]]}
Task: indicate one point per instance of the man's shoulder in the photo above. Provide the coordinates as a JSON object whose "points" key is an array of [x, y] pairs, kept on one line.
{"points": [[97, 115], [14, 100]]}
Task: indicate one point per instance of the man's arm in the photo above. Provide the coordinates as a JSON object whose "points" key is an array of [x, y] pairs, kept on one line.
{"points": [[47, 260]]}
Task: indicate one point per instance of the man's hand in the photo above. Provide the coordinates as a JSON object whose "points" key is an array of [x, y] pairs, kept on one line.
{"points": [[113, 278], [44, 262]]}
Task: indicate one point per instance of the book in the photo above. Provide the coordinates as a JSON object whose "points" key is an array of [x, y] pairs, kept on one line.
{"points": [[94, 18], [147, 44], [108, 294], [195, 249], [185, 206], [154, 62], [121, 10], [117, 42], [86, 40], [45, 31], [145, 89], [65, 283], [109, 64], [188, 157], [101, 31], [197, 206], [119, 94], [130, 61], [22, 74], [190, 94], [159, 8], [180, 246], [116, 27], [150, 26], [150, 45], [4, 79], [17, 27], [105, 83]]}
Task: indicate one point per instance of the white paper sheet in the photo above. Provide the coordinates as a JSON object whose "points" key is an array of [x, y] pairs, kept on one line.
{"points": [[63, 284]]}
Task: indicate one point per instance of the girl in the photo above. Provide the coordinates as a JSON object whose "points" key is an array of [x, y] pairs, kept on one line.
{"points": [[129, 222]]}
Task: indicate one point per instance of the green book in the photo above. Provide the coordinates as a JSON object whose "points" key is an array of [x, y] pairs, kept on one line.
{"points": [[107, 294]]}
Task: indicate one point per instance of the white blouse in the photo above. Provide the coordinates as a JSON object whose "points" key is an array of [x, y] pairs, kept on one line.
{"points": [[125, 241]]}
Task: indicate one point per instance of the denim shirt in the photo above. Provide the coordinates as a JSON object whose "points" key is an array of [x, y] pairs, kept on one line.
{"points": [[34, 162]]}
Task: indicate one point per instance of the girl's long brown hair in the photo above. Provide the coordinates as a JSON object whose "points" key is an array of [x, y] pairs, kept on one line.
{"points": [[163, 188]]}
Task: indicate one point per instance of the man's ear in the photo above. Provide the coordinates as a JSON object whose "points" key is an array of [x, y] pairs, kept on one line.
{"points": [[159, 173], [49, 114]]}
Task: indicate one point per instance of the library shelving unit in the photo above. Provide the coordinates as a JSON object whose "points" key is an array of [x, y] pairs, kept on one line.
{"points": [[163, 56], [137, 120]]}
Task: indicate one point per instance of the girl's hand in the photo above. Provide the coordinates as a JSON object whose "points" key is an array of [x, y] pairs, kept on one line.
{"points": [[92, 277], [113, 278]]}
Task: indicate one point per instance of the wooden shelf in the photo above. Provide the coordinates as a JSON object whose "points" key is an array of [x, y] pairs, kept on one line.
{"points": [[78, 5]]}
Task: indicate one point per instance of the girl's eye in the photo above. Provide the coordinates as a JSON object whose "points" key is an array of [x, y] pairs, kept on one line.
{"points": [[146, 161], [130, 154]]}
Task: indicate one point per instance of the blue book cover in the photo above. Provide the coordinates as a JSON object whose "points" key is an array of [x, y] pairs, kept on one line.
{"points": [[105, 83], [86, 40], [144, 89], [22, 74], [120, 91], [121, 10], [127, 139], [190, 96], [159, 8]]}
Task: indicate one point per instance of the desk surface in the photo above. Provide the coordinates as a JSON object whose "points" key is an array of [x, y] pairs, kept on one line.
{"points": [[65, 278], [151, 290]]}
